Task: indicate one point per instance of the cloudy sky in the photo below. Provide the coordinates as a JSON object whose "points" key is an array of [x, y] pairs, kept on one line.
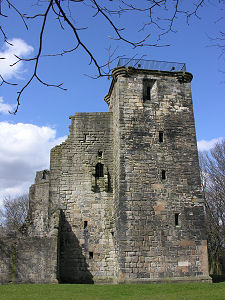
{"points": [[42, 120]]}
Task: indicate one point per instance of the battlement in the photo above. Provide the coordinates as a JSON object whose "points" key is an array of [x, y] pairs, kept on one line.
{"points": [[152, 65]]}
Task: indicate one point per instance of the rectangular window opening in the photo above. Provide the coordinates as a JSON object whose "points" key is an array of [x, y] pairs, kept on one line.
{"points": [[176, 219], [99, 153], [161, 136], [91, 255], [163, 174], [85, 224], [85, 137], [99, 170], [147, 89], [44, 175]]}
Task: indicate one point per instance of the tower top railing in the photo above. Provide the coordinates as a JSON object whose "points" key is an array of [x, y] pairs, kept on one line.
{"points": [[152, 64]]}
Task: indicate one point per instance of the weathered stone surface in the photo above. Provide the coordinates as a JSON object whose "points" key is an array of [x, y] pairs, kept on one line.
{"points": [[143, 201], [122, 200], [28, 260]]}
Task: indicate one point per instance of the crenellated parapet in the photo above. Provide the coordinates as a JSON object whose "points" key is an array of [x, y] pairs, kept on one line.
{"points": [[121, 71]]}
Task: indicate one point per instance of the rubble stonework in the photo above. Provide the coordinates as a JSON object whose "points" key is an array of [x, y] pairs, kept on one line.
{"points": [[122, 200]]}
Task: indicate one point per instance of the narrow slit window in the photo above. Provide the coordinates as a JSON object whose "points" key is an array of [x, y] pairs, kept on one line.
{"points": [[85, 137], [163, 174], [176, 219], [85, 224], [99, 170], [91, 255], [161, 136], [148, 93], [44, 175]]}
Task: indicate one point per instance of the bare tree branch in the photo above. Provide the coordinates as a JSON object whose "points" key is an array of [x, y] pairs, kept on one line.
{"points": [[92, 58], [13, 213], [159, 19], [213, 185], [34, 75], [18, 12], [6, 82]]}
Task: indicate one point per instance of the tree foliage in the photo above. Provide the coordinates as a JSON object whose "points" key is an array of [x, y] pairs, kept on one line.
{"points": [[213, 183], [13, 213], [158, 18]]}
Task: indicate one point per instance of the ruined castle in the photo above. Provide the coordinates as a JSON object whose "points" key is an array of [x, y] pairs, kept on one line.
{"points": [[122, 200]]}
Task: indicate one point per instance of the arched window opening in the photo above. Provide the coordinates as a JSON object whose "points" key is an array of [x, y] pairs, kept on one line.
{"points": [[99, 170]]}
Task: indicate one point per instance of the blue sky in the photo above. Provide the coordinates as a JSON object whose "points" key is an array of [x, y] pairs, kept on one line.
{"points": [[42, 120]]}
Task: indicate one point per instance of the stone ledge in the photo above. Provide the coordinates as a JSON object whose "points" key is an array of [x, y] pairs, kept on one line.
{"points": [[206, 279], [105, 280]]}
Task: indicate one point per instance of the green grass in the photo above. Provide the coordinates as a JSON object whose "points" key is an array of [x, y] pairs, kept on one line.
{"points": [[174, 291]]}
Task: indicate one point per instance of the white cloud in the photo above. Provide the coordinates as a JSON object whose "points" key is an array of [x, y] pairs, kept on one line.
{"points": [[205, 145], [24, 149], [4, 107], [18, 47]]}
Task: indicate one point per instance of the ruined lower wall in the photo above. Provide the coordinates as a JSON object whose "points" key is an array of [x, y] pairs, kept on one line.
{"points": [[28, 260], [6, 261], [38, 215], [70, 226], [81, 172]]}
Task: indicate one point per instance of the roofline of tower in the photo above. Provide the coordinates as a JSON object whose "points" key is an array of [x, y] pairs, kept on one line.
{"points": [[182, 77]]}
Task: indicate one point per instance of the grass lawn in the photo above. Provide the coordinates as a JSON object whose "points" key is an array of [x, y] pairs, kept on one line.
{"points": [[107, 292]]}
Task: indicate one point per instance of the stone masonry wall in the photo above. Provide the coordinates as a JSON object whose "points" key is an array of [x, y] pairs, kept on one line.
{"points": [[122, 200], [32, 257], [39, 205], [6, 260], [86, 248], [28, 260], [159, 222]]}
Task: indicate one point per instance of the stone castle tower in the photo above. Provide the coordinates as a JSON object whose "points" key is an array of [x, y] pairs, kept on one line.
{"points": [[122, 200]]}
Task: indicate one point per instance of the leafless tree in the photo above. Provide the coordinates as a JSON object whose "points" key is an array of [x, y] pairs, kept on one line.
{"points": [[159, 17], [213, 183], [13, 213]]}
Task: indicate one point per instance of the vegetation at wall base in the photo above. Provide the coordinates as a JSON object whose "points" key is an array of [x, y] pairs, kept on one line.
{"points": [[111, 292]]}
